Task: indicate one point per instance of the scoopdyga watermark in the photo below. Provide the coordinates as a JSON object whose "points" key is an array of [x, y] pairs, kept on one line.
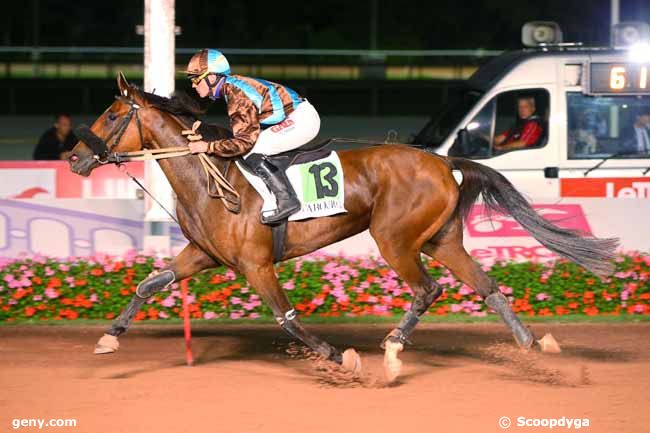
{"points": [[545, 423]]}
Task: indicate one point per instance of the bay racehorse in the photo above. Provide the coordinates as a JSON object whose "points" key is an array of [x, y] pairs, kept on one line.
{"points": [[406, 197]]}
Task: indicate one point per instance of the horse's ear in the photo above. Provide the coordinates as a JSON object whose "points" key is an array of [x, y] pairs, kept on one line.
{"points": [[123, 85]]}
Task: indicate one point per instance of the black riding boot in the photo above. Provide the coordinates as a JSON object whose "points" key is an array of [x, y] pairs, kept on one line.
{"points": [[276, 180]]}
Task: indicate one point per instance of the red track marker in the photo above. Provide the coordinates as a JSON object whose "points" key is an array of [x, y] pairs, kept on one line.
{"points": [[186, 324]]}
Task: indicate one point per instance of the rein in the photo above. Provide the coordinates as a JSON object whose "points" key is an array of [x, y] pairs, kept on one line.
{"points": [[217, 184]]}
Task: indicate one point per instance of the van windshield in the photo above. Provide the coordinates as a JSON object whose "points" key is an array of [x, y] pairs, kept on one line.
{"points": [[608, 126], [439, 127]]}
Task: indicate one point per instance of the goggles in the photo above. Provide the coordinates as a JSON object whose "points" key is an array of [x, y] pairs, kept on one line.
{"points": [[196, 79]]}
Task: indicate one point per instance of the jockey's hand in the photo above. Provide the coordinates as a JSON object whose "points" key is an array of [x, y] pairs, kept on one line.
{"points": [[199, 146], [193, 134]]}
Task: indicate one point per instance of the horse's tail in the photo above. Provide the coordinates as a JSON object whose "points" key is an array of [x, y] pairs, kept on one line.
{"points": [[501, 196]]}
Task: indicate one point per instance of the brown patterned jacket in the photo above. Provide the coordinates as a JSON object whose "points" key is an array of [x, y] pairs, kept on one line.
{"points": [[253, 105]]}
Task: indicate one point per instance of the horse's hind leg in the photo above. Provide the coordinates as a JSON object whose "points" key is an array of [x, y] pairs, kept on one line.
{"points": [[188, 262], [265, 282], [448, 249], [425, 290]]}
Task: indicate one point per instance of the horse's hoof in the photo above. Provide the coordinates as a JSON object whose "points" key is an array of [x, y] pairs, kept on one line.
{"points": [[351, 361], [106, 344], [392, 364], [548, 344]]}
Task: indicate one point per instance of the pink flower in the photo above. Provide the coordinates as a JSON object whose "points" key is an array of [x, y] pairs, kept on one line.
{"points": [[163, 315], [542, 297], [380, 308], [64, 268], [210, 315], [447, 280], [455, 308], [505, 290], [465, 290], [289, 285], [51, 293], [254, 315], [37, 298], [8, 278], [235, 300], [168, 302], [236, 314]]}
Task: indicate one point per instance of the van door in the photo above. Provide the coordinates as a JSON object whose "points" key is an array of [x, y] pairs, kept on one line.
{"points": [[512, 134]]}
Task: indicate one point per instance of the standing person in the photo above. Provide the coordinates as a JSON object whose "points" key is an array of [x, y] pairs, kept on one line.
{"points": [[59, 138], [266, 119]]}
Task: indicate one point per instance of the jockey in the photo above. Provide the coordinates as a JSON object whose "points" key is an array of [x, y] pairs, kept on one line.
{"points": [[266, 119]]}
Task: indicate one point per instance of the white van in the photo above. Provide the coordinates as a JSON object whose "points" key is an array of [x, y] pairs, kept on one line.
{"points": [[590, 128]]}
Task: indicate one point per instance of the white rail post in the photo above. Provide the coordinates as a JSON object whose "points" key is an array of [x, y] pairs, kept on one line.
{"points": [[159, 72]]}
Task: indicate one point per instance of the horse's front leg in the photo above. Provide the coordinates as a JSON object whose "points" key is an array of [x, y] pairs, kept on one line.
{"points": [[190, 261], [265, 282]]}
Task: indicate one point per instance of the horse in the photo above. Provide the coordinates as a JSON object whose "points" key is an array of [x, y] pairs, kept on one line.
{"points": [[406, 197]]}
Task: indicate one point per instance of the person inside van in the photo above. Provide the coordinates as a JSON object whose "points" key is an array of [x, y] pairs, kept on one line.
{"points": [[526, 132], [642, 132]]}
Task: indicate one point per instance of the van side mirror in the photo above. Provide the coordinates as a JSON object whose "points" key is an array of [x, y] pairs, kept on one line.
{"points": [[461, 146]]}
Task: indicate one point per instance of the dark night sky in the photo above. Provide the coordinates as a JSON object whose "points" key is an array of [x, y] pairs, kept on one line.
{"points": [[415, 24]]}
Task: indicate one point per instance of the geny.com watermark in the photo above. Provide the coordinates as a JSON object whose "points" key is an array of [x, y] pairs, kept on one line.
{"points": [[17, 423], [550, 423]]}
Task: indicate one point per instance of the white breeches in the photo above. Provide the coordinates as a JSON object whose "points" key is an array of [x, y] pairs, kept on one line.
{"points": [[300, 127]]}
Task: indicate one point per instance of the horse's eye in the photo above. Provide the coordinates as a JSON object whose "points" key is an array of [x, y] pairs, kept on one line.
{"points": [[112, 116]]}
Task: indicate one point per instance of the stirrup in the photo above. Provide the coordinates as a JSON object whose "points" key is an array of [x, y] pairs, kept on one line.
{"points": [[278, 215]]}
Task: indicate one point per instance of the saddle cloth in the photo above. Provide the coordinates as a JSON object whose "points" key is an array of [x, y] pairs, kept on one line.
{"points": [[318, 182]]}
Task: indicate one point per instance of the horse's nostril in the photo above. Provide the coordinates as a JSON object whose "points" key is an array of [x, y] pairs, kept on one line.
{"points": [[74, 158]]}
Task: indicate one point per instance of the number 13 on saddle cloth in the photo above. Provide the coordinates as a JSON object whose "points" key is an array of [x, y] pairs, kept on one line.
{"points": [[319, 185]]}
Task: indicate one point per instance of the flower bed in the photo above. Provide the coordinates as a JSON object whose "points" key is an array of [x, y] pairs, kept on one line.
{"points": [[99, 287]]}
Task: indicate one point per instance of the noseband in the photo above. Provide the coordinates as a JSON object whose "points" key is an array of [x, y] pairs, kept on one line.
{"points": [[102, 152]]}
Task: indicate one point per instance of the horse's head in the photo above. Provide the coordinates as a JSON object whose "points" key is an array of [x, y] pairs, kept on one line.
{"points": [[118, 129]]}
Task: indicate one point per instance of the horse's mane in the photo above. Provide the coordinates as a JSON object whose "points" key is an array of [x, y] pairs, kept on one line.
{"points": [[187, 110]]}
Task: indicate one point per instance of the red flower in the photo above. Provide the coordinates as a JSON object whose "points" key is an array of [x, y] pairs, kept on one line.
{"points": [[54, 282], [590, 311], [97, 272], [30, 311]]}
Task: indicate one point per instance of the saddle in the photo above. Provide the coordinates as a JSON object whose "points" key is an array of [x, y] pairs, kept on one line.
{"points": [[311, 151]]}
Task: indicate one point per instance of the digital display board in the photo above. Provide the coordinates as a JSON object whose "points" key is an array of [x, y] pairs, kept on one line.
{"points": [[619, 78]]}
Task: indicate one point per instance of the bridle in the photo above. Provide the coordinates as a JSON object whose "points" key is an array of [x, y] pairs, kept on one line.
{"points": [[217, 184], [103, 152]]}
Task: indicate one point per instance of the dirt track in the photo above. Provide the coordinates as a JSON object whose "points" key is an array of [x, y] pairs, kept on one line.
{"points": [[457, 378]]}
